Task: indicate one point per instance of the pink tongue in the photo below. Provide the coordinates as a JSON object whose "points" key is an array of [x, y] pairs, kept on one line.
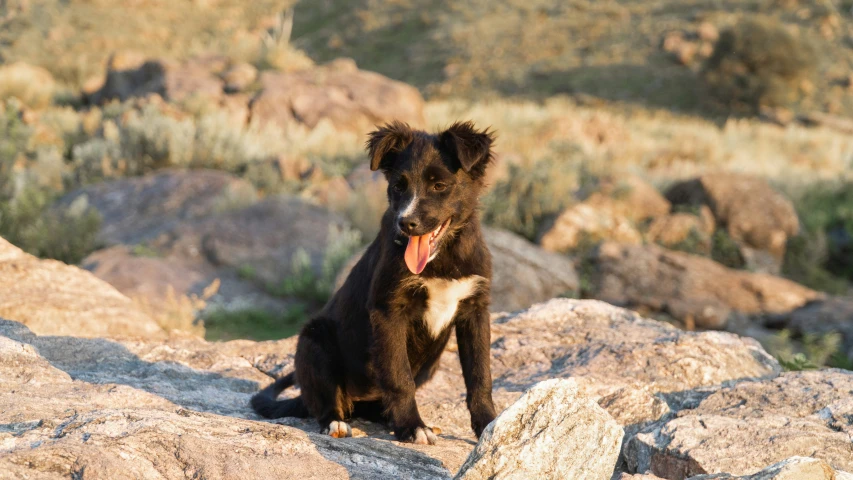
{"points": [[417, 253]]}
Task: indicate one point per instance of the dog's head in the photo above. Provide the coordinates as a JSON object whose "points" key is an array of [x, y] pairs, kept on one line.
{"points": [[434, 181]]}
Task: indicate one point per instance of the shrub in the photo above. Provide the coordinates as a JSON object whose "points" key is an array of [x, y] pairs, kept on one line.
{"points": [[138, 142], [759, 62], [530, 195], [823, 253], [253, 323], [304, 283], [808, 352], [68, 235]]}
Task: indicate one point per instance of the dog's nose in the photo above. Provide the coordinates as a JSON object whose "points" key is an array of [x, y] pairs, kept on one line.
{"points": [[408, 225]]}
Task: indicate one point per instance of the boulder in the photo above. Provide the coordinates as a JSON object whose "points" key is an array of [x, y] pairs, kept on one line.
{"points": [[610, 213], [352, 100], [174, 233], [239, 77], [743, 428], [32, 85], [522, 273], [693, 289], [52, 298], [684, 231], [794, 468], [173, 289], [132, 75], [264, 239], [756, 216], [135, 210], [551, 432], [165, 407]]}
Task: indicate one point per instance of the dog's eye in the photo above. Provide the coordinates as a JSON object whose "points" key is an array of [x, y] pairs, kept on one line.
{"points": [[439, 187], [399, 187]]}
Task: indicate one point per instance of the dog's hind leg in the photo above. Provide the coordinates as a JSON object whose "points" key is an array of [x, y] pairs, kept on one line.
{"points": [[318, 366]]}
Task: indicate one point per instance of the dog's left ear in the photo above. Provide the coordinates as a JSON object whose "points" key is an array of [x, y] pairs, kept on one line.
{"points": [[472, 147]]}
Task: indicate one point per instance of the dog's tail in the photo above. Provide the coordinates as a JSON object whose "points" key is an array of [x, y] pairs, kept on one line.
{"points": [[265, 402]]}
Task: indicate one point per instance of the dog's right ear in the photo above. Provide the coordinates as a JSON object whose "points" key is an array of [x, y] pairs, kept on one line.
{"points": [[391, 137]]}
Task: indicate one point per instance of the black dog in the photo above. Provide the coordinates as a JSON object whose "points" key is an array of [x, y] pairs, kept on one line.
{"points": [[380, 336]]}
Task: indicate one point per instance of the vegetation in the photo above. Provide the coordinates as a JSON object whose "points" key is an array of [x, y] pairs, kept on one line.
{"points": [[760, 62], [253, 324], [605, 102], [809, 351]]}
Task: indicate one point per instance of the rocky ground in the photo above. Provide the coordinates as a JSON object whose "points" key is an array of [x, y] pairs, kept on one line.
{"points": [[140, 403]]}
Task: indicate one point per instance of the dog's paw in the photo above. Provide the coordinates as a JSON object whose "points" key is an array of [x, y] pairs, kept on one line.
{"points": [[418, 435], [338, 429], [480, 422]]}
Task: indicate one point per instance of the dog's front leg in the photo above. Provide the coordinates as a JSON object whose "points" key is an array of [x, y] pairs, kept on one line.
{"points": [[473, 334], [391, 360]]}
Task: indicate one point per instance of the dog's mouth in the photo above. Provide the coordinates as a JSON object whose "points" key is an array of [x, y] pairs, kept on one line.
{"points": [[422, 249]]}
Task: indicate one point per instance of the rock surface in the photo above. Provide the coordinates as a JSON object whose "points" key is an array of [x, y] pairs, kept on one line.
{"points": [[693, 232], [611, 213], [177, 232], [135, 210], [351, 99], [754, 214], [743, 428], [794, 468], [551, 432], [52, 298], [688, 287], [522, 273], [130, 75], [157, 408]]}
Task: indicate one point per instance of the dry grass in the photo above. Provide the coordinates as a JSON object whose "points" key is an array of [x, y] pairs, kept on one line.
{"points": [[178, 312], [660, 146]]}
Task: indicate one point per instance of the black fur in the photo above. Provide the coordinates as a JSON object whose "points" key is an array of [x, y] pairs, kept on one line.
{"points": [[369, 349]]}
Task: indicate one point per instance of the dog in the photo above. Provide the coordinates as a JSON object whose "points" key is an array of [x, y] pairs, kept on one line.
{"points": [[427, 273]]}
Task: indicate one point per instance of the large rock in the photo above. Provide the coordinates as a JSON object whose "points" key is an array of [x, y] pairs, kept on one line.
{"points": [[757, 217], [135, 210], [684, 231], [522, 273], [264, 239], [794, 468], [132, 75], [160, 407], [32, 85], [52, 298], [552, 432], [174, 233], [351, 99], [690, 288], [743, 428], [612, 213]]}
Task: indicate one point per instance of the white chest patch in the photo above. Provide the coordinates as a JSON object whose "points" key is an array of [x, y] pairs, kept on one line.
{"points": [[443, 298]]}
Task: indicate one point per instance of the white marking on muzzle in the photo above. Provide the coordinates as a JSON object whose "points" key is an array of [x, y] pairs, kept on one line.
{"points": [[410, 208]]}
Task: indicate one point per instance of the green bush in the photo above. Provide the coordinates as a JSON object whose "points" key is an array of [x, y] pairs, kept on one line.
{"points": [[68, 235], [759, 62], [253, 323], [808, 352], [304, 283], [822, 255]]}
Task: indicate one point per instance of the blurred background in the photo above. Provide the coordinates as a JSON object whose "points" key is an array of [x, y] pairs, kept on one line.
{"points": [[687, 159]]}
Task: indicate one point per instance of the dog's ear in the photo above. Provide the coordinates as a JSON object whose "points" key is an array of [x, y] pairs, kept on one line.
{"points": [[391, 137], [472, 147]]}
